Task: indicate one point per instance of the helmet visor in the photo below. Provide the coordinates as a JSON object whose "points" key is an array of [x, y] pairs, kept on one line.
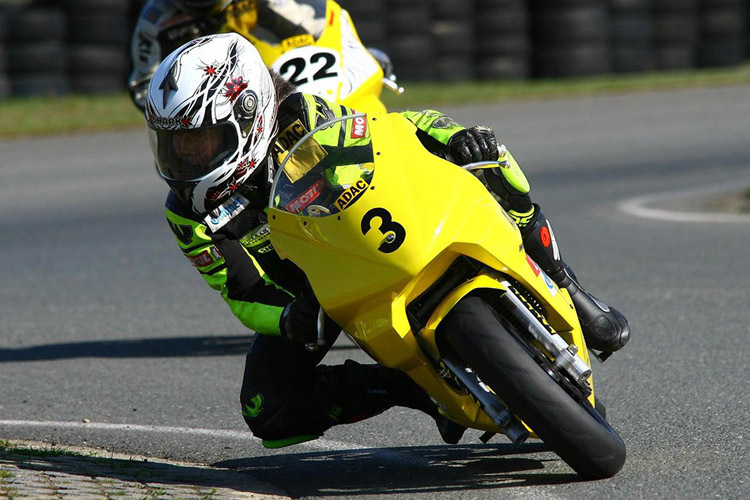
{"points": [[187, 155]]}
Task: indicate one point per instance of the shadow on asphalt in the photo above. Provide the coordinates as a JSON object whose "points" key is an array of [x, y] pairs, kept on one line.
{"points": [[139, 348], [71, 475], [403, 470]]}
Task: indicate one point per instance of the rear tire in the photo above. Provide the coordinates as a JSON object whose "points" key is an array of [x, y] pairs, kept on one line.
{"points": [[575, 431]]}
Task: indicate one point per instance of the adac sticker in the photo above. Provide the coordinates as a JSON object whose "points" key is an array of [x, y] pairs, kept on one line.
{"points": [[351, 194]]}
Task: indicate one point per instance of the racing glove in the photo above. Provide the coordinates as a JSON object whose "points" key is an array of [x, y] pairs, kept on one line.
{"points": [[299, 320], [472, 145]]}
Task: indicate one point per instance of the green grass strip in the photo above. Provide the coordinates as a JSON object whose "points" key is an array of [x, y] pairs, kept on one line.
{"points": [[33, 116], [37, 116], [436, 94]]}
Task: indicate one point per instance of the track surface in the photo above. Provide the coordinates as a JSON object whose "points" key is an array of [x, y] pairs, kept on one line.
{"points": [[102, 319]]}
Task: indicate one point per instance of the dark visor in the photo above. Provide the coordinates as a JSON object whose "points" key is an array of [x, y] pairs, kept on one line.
{"points": [[186, 155]]}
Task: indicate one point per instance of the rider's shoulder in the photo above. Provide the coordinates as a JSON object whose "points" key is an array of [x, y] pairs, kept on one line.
{"points": [[177, 209]]}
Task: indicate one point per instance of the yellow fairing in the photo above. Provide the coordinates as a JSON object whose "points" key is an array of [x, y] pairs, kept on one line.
{"points": [[362, 92], [445, 212]]}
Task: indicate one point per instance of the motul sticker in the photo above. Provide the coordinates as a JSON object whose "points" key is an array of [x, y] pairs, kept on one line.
{"points": [[305, 198], [205, 258], [359, 127]]}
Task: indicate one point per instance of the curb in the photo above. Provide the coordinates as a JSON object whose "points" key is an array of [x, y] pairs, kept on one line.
{"points": [[31, 469]]}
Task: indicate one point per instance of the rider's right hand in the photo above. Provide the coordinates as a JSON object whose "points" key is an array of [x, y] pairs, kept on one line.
{"points": [[472, 145], [299, 321]]}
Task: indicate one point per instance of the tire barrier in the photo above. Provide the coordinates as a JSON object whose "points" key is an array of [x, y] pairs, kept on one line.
{"points": [[61, 46], [633, 36], [723, 32], [503, 40], [571, 37], [35, 54], [453, 35], [409, 34], [676, 29]]}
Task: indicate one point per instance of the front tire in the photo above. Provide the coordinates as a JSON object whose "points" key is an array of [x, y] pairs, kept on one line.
{"points": [[575, 431]]}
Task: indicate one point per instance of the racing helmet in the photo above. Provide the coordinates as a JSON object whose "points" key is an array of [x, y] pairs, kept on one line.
{"points": [[201, 6], [211, 116]]}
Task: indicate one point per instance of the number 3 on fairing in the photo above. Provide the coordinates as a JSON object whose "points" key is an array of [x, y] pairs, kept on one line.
{"points": [[394, 233]]}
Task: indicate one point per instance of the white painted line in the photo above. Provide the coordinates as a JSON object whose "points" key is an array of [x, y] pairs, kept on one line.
{"points": [[318, 444], [410, 459], [217, 433], [639, 206]]}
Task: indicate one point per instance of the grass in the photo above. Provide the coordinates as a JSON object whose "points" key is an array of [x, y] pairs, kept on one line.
{"points": [[33, 116], [490, 91], [24, 117], [9, 449]]}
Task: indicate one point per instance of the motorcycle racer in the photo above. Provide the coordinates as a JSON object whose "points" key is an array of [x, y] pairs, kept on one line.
{"points": [[164, 25], [219, 122]]}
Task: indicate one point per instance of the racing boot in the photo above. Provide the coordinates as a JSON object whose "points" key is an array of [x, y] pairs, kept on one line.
{"points": [[450, 431], [605, 328], [371, 389]]}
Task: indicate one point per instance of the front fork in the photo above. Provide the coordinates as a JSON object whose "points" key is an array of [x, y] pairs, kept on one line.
{"points": [[563, 357]]}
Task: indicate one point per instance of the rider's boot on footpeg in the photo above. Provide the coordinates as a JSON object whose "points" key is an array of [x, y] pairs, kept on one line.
{"points": [[604, 328]]}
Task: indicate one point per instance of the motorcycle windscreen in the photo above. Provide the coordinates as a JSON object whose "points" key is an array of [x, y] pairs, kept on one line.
{"points": [[320, 180]]}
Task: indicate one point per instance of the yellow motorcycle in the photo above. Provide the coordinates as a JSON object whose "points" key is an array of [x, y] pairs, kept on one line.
{"points": [[336, 66], [426, 272]]}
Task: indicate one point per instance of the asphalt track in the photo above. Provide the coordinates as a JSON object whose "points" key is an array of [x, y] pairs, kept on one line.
{"points": [[102, 320]]}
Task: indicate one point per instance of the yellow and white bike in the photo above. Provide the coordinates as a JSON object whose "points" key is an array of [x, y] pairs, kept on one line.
{"points": [[425, 271], [336, 66]]}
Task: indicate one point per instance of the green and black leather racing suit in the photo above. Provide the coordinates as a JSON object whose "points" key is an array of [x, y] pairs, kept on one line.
{"points": [[286, 393]]}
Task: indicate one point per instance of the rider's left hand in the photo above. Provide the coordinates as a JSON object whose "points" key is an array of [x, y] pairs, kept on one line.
{"points": [[472, 145]]}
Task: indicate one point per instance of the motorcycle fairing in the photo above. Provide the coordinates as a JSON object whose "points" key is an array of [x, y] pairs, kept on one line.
{"points": [[369, 261]]}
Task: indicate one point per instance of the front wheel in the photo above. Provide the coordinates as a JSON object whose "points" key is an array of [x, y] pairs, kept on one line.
{"points": [[575, 431]]}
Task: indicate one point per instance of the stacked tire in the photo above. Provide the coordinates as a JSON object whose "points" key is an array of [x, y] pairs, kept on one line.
{"points": [[722, 32], [369, 21], [4, 81], [453, 36], [35, 56], [571, 37], [676, 33], [409, 32], [632, 36], [98, 43], [503, 39]]}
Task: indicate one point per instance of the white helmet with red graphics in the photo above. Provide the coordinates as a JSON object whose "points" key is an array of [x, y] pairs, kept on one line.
{"points": [[211, 113]]}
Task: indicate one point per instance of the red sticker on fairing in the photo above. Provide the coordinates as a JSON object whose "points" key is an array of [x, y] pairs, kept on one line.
{"points": [[534, 266], [545, 237], [359, 127], [305, 198]]}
